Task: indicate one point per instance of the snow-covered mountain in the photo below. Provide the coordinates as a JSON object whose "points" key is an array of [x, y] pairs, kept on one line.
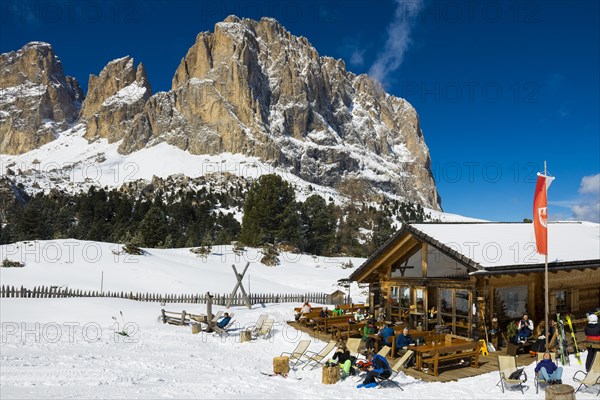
{"points": [[249, 88]]}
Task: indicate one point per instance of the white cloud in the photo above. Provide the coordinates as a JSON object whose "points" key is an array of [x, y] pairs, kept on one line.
{"points": [[398, 39], [590, 185], [588, 206]]}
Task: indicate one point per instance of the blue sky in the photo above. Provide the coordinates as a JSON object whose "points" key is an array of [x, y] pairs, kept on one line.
{"points": [[500, 86]]}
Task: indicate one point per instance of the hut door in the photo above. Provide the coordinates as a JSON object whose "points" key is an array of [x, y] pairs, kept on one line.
{"points": [[454, 306]]}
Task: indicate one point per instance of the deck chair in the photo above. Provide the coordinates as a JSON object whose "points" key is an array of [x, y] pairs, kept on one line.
{"points": [[223, 331], [353, 344], [259, 323], [298, 353], [538, 379], [218, 330], [316, 359], [506, 366], [385, 350], [405, 358], [216, 317], [591, 378], [395, 370], [265, 330]]}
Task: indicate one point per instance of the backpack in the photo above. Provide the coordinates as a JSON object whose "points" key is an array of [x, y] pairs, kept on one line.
{"points": [[517, 374]]}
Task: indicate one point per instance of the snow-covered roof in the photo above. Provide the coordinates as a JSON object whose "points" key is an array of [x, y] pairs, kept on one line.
{"points": [[493, 247], [508, 244]]}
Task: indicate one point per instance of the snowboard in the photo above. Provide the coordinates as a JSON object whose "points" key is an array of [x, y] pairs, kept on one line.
{"points": [[573, 338]]}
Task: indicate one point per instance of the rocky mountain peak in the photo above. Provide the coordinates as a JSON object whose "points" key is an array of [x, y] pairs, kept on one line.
{"points": [[114, 97], [253, 88], [37, 100]]}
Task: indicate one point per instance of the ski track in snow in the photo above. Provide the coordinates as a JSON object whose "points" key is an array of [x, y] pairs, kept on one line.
{"points": [[169, 362]]}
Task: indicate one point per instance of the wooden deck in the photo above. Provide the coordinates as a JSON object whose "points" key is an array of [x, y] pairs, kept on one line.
{"points": [[451, 372]]}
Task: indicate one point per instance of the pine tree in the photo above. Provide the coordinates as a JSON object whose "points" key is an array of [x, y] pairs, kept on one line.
{"points": [[318, 222], [269, 202], [153, 228]]}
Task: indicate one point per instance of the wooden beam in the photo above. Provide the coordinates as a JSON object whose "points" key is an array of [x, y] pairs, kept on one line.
{"points": [[385, 257], [424, 260]]}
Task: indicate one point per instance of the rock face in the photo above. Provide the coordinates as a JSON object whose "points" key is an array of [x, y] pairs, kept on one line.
{"points": [[37, 100], [114, 98], [251, 87]]}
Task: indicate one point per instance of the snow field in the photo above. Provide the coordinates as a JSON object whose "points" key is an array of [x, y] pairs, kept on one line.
{"points": [[164, 361]]}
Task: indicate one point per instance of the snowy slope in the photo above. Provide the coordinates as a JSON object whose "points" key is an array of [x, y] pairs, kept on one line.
{"points": [[71, 164], [76, 354], [80, 264]]}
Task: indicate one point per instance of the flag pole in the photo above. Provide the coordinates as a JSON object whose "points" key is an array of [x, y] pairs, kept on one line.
{"points": [[546, 262]]}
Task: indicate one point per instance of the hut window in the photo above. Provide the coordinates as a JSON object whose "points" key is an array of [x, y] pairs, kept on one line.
{"points": [[419, 297], [562, 301], [510, 302], [439, 265], [405, 297]]}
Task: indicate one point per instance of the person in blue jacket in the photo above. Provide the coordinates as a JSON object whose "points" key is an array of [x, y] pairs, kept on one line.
{"points": [[549, 371], [404, 340], [224, 321], [380, 368], [385, 334]]}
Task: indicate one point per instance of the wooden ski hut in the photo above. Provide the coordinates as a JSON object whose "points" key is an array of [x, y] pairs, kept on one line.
{"points": [[456, 274]]}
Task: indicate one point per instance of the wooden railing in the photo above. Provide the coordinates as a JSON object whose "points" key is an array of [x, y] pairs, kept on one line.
{"points": [[218, 299]]}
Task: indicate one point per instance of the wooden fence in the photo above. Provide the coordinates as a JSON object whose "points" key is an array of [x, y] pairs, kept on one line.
{"points": [[218, 299]]}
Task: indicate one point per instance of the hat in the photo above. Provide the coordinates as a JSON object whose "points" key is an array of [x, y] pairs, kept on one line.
{"points": [[593, 319]]}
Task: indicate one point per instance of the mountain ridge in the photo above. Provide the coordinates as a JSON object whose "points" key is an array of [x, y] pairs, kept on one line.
{"points": [[252, 88]]}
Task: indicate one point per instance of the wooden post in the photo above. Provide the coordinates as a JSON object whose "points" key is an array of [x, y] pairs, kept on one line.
{"points": [[331, 374], [196, 328], [209, 314], [560, 392], [281, 365]]}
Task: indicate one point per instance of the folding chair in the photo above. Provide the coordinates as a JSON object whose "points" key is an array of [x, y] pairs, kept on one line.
{"points": [[538, 379], [265, 330], [405, 358], [506, 366], [385, 350], [223, 331], [353, 344], [591, 378], [395, 371], [317, 358], [259, 323], [298, 353]]}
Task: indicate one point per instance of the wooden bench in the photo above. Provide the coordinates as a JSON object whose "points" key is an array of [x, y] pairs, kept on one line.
{"points": [[324, 324], [181, 318], [454, 352]]}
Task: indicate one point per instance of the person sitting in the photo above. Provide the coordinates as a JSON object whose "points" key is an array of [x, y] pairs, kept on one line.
{"points": [[224, 321], [379, 369], [540, 343], [524, 329], [324, 313], [369, 329], [404, 340], [549, 370], [306, 308], [359, 316], [337, 312], [592, 335], [385, 334], [343, 357]]}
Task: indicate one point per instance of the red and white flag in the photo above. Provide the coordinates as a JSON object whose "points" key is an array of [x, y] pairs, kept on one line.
{"points": [[540, 213]]}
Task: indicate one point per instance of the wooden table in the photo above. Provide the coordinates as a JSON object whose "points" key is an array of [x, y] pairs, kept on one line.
{"points": [[426, 348]]}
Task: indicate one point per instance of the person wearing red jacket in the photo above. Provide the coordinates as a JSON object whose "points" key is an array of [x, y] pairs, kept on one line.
{"points": [[592, 335]]}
